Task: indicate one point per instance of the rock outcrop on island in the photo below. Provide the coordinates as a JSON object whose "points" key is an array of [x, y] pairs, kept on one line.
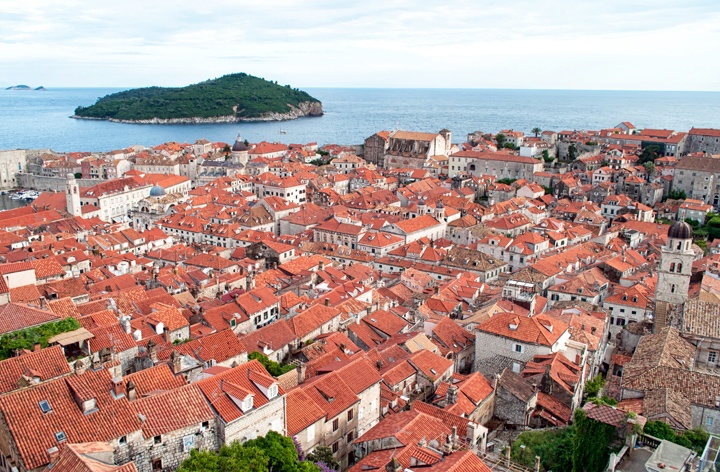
{"points": [[231, 98], [19, 87]]}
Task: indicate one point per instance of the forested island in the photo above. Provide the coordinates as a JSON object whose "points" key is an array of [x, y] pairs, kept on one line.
{"points": [[230, 98]]}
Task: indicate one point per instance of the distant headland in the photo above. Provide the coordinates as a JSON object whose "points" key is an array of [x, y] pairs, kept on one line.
{"points": [[24, 87], [230, 98]]}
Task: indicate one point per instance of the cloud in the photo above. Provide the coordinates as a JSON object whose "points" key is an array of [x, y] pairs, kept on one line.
{"points": [[461, 43]]}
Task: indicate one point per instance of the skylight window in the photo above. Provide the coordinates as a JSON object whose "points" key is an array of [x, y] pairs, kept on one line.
{"points": [[45, 406], [60, 436]]}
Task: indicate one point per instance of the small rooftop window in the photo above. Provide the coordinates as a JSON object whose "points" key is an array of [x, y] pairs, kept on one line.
{"points": [[60, 436], [45, 406]]}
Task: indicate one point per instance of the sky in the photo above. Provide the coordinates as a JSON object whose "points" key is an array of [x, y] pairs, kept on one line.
{"points": [[539, 44]]}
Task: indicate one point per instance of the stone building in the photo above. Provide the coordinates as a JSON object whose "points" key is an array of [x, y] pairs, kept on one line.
{"points": [[501, 164], [674, 272], [375, 147], [699, 178], [509, 341], [412, 149], [703, 140], [515, 398]]}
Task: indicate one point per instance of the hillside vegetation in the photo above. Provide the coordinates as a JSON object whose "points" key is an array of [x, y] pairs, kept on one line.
{"points": [[240, 95]]}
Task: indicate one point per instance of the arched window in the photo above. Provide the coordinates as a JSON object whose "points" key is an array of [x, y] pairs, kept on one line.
{"points": [[672, 267], [679, 246], [679, 267]]}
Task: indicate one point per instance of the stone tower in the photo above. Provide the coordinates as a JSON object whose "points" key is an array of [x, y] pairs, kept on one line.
{"points": [[72, 196], [439, 212], [674, 273]]}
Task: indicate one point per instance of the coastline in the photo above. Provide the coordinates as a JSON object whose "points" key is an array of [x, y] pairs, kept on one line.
{"points": [[305, 109]]}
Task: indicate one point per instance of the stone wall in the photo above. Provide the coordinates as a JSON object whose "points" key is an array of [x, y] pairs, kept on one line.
{"points": [[170, 448], [11, 164], [54, 184], [495, 353]]}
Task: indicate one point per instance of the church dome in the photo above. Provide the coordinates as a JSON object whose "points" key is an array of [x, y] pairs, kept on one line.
{"points": [[157, 191], [680, 230], [239, 145]]}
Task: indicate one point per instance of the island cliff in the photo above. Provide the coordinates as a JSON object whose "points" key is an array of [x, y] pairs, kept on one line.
{"points": [[231, 98]]}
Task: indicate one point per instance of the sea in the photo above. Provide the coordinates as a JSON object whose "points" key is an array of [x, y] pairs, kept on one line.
{"points": [[32, 119]]}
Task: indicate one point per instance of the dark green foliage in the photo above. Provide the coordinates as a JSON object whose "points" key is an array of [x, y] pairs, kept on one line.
{"points": [[273, 452], [536, 131], [676, 195], [510, 146], [713, 227], [572, 152], [272, 367], [27, 338], [695, 439], [78, 175], [591, 143], [548, 190], [555, 449], [325, 455], [593, 387], [649, 154], [252, 96], [506, 181], [590, 446], [500, 139]]}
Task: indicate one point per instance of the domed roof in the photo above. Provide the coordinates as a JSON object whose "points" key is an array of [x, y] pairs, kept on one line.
{"points": [[680, 230], [239, 145], [157, 191], [439, 204], [421, 202]]}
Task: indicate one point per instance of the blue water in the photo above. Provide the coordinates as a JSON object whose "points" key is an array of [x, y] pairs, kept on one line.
{"points": [[39, 119]]}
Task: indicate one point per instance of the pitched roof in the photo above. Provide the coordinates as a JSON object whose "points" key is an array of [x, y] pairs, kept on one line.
{"points": [[539, 329], [16, 316], [173, 410], [43, 364], [301, 411]]}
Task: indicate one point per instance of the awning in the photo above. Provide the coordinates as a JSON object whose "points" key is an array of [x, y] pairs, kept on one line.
{"points": [[71, 337]]}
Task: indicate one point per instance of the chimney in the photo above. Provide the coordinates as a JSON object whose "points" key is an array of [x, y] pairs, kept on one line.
{"points": [[131, 392], [454, 438], [118, 390], [53, 454], [302, 368], [451, 395], [327, 302], [394, 466], [80, 367], [176, 361], [152, 351]]}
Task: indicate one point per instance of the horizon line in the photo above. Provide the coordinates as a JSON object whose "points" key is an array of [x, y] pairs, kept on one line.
{"points": [[47, 87]]}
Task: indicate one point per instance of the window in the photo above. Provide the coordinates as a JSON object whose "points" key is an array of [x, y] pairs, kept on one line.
{"points": [[45, 406], [60, 436], [351, 415], [205, 424], [712, 356], [336, 424], [518, 348], [123, 440], [336, 447], [232, 323], [516, 367], [157, 440], [157, 464], [709, 421], [349, 437]]}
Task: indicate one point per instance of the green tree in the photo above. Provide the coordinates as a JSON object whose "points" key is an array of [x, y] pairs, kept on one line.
{"points": [[676, 195], [273, 368], [554, 447], [536, 131], [649, 168], [593, 387], [273, 452], [649, 154], [572, 152], [325, 455], [590, 445], [500, 139]]}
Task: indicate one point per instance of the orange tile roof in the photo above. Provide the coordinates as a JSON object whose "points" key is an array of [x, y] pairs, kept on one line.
{"points": [[539, 329]]}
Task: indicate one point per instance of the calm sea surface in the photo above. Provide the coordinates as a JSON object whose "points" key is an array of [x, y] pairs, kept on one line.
{"points": [[39, 119]]}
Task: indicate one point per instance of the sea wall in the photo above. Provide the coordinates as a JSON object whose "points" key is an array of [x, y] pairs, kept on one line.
{"points": [[304, 109], [53, 184]]}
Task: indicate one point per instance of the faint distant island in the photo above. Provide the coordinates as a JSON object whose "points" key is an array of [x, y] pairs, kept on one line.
{"points": [[24, 87], [230, 98]]}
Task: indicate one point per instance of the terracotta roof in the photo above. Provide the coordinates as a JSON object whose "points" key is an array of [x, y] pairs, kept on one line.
{"points": [[34, 431], [16, 316], [311, 319], [85, 457], [301, 411], [539, 329], [43, 364]]}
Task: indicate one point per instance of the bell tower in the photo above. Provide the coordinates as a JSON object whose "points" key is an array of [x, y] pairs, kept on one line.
{"points": [[72, 196], [674, 272]]}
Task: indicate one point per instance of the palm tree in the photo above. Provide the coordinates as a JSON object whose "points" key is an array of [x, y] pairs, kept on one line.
{"points": [[536, 131]]}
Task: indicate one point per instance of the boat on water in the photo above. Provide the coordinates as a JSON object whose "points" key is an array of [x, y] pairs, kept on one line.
{"points": [[282, 131]]}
